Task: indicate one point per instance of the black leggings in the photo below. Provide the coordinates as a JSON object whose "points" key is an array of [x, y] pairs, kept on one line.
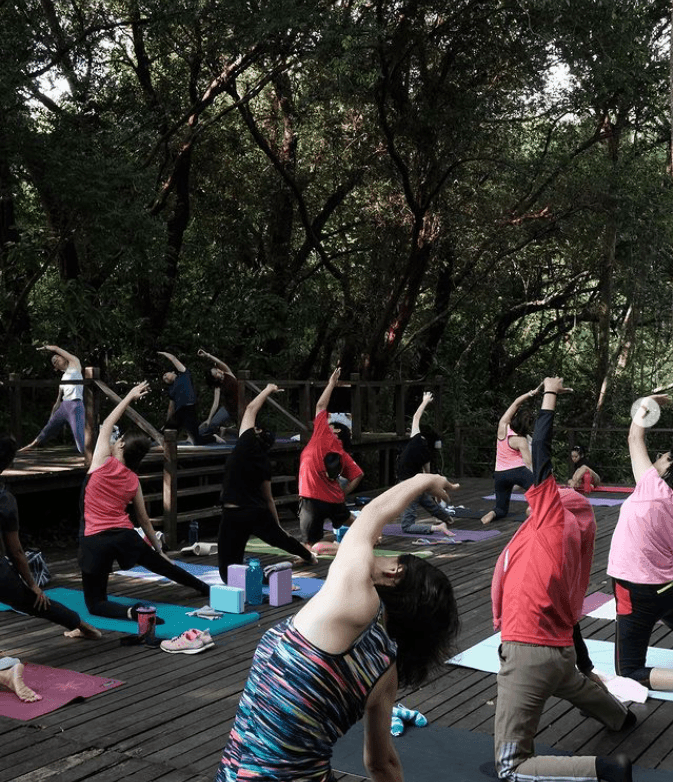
{"points": [[95, 584], [505, 481], [16, 594], [236, 527]]}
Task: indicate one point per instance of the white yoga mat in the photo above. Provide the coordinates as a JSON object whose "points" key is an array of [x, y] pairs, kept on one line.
{"points": [[484, 657], [606, 611]]}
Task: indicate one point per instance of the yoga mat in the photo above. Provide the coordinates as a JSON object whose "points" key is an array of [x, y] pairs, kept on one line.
{"points": [[460, 534], [302, 587], [437, 753], [607, 610], [176, 621], [484, 657], [596, 501], [56, 686], [595, 602], [259, 547]]}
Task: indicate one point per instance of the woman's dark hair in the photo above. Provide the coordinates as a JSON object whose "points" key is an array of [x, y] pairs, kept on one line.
{"points": [[668, 475], [266, 439], [211, 380], [421, 617], [522, 422], [136, 447], [580, 451], [7, 451], [344, 434]]}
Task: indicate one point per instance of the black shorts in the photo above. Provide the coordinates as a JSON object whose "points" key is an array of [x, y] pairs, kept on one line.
{"points": [[313, 513]]}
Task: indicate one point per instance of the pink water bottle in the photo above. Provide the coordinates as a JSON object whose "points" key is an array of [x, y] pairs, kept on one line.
{"points": [[147, 620]]}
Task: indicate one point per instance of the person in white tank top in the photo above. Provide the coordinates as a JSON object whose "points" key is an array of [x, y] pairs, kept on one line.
{"points": [[69, 405]]}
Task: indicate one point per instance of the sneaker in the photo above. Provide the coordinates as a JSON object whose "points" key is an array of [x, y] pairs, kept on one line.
{"points": [[190, 642]]}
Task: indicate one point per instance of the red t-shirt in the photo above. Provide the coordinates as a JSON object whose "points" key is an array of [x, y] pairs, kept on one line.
{"points": [[109, 489], [541, 577], [313, 481]]}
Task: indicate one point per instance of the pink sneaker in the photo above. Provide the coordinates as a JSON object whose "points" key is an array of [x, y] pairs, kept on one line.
{"points": [[190, 642]]}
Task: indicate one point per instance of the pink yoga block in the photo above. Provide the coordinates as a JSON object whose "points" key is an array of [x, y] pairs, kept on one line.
{"points": [[236, 577], [227, 598], [280, 588]]}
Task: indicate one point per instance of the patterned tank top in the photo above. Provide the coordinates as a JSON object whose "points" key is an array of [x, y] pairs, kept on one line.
{"points": [[298, 701]]}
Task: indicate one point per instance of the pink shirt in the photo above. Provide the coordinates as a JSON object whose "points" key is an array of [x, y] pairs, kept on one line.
{"points": [[109, 489], [506, 457], [642, 543], [541, 576]]}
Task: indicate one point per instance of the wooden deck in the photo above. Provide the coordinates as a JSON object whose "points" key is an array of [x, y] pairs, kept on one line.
{"points": [[170, 720]]}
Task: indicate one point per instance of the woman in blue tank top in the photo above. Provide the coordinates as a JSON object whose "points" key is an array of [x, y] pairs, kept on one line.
{"points": [[376, 622]]}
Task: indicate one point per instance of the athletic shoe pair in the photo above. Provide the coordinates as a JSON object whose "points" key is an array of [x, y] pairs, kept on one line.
{"points": [[190, 642]]}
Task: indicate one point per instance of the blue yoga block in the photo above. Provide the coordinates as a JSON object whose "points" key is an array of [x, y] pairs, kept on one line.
{"points": [[227, 598]]}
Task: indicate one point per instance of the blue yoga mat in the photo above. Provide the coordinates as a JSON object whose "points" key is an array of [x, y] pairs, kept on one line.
{"points": [[175, 618]]}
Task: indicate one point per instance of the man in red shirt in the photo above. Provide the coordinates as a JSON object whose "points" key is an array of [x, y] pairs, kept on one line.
{"points": [[322, 462], [538, 588]]}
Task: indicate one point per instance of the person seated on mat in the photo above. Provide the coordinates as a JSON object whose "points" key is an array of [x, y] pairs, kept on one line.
{"points": [[111, 484], [247, 503], [641, 557], [584, 476], [322, 462], [69, 405], [512, 456], [538, 588], [11, 677], [376, 622], [182, 405], [416, 457], [224, 408], [18, 588]]}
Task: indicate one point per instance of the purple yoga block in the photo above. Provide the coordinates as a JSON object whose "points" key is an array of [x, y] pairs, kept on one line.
{"points": [[236, 577], [280, 588]]}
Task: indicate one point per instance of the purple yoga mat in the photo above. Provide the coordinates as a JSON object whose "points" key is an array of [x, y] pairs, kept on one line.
{"points": [[597, 501], [56, 686], [460, 534]]}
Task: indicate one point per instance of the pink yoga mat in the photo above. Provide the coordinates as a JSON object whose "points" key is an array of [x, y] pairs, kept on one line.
{"points": [[56, 686], [594, 601]]}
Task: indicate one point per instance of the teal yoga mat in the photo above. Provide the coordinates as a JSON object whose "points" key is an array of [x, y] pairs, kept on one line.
{"points": [[440, 753], [175, 618]]}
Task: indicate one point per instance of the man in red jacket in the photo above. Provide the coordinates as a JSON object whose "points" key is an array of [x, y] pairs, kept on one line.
{"points": [[538, 588]]}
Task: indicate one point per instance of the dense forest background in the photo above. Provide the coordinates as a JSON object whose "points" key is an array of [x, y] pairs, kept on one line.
{"points": [[473, 189]]}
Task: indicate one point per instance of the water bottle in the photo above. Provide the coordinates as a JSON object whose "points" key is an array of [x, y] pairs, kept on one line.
{"points": [[193, 532], [253, 582]]}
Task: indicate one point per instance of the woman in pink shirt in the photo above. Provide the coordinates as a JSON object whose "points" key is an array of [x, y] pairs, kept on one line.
{"points": [[513, 466], [109, 535], [641, 557]]}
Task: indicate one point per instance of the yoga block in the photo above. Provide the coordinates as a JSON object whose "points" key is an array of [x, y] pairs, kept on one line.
{"points": [[229, 599], [236, 577], [280, 588]]}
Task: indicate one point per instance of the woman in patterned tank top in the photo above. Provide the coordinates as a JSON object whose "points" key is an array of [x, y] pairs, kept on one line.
{"points": [[376, 621]]}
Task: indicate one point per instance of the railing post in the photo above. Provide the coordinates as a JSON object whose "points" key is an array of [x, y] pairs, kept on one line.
{"points": [[243, 375], [372, 409], [15, 406], [356, 406], [171, 487], [91, 412], [437, 404], [305, 410], [458, 451], [400, 395]]}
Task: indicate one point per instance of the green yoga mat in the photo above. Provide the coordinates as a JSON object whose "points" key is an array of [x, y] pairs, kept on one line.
{"points": [[256, 546], [436, 753], [175, 618]]}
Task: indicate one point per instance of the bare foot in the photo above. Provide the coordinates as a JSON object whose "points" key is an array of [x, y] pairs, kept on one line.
{"points": [[488, 518], [443, 529], [12, 678], [84, 631]]}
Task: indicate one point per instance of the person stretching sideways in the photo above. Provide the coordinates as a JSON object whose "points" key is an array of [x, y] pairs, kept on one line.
{"points": [[111, 484], [69, 405], [538, 588], [416, 457]]}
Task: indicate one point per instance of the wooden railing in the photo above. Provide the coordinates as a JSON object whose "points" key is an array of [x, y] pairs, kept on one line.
{"points": [[364, 404]]}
